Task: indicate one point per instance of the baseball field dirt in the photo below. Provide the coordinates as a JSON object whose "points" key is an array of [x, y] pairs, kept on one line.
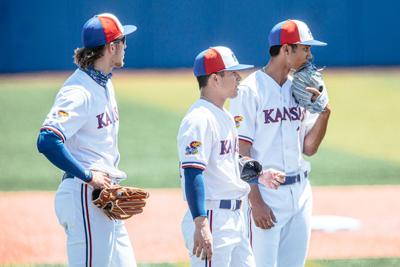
{"points": [[29, 232]]}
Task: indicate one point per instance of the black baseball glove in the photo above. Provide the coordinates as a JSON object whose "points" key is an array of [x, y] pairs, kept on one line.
{"points": [[250, 169]]}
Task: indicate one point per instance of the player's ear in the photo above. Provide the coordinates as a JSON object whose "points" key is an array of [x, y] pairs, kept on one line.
{"points": [[285, 49], [111, 47], [213, 78]]}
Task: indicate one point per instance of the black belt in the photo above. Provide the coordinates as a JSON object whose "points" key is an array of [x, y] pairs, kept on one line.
{"points": [[294, 179]]}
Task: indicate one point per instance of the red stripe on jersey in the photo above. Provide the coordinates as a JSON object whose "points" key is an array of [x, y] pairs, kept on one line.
{"points": [[88, 223], [211, 212], [245, 140], [54, 130], [250, 229], [184, 166]]}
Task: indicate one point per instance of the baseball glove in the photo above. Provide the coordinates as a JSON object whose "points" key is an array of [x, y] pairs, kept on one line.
{"points": [[120, 203], [250, 169], [309, 76]]}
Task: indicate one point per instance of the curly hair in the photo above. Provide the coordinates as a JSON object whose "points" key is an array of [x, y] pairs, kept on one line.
{"points": [[85, 57]]}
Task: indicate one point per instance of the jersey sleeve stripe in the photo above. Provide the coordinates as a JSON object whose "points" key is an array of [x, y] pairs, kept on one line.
{"points": [[196, 165], [246, 139], [55, 130]]}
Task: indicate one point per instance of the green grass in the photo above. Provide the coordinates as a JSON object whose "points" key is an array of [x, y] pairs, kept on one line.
{"points": [[383, 262], [361, 146], [365, 118], [147, 141], [336, 167]]}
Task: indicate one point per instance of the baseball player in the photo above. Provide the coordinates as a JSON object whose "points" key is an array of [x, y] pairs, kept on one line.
{"points": [[213, 227], [79, 136], [276, 131]]}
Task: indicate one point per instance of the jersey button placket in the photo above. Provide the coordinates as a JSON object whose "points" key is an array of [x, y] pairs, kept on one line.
{"points": [[283, 131]]}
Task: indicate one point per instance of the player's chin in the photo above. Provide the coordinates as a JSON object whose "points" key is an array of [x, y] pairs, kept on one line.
{"points": [[234, 94], [298, 65], [119, 64]]}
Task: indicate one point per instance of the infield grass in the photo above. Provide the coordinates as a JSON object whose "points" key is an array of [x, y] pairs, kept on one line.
{"points": [[361, 146]]}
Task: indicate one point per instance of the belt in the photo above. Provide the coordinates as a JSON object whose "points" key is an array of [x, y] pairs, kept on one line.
{"points": [[67, 176], [227, 204], [294, 179]]}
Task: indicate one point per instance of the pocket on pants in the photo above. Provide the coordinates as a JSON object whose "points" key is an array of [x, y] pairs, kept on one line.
{"points": [[65, 210]]}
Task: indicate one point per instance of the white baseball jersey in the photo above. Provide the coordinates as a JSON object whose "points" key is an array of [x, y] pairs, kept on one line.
{"points": [[85, 116], [268, 117], [208, 140]]}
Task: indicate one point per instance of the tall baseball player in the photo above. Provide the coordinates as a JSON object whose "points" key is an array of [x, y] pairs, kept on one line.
{"points": [[79, 136], [276, 131], [213, 227]]}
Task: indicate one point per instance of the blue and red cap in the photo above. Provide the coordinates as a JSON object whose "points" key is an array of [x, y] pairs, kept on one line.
{"points": [[103, 29], [292, 32], [217, 59]]}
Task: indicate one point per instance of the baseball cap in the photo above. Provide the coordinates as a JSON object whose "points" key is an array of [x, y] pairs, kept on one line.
{"points": [[103, 29], [292, 32], [216, 59]]}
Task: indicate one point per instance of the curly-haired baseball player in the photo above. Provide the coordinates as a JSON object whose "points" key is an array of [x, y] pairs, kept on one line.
{"points": [[79, 136], [276, 131], [214, 227]]}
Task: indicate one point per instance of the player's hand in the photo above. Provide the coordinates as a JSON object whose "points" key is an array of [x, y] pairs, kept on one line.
{"points": [[272, 178], [100, 180], [315, 93], [327, 110], [203, 242], [263, 216]]}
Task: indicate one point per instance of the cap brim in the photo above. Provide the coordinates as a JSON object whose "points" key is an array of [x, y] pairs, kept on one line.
{"points": [[314, 43], [128, 29], [240, 67]]}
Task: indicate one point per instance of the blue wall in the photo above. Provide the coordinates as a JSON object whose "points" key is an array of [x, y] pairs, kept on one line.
{"points": [[41, 35]]}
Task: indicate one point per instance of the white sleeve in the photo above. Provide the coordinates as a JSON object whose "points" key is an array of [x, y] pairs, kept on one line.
{"points": [[195, 141], [69, 112], [307, 123], [244, 111]]}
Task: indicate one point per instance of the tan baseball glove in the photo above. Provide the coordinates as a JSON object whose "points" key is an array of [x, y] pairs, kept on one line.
{"points": [[121, 202]]}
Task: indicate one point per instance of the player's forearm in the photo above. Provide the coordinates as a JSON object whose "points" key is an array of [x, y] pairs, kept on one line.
{"points": [[244, 148], [255, 197], [314, 138], [194, 191], [51, 145]]}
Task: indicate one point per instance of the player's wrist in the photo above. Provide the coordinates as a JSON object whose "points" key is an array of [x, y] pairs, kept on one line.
{"points": [[255, 196], [327, 109], [200, 221], [88, 176]]}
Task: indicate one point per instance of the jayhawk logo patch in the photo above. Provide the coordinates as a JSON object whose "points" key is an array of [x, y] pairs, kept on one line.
{"points": [[238, 120], [192, 148], [60, 115]]}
